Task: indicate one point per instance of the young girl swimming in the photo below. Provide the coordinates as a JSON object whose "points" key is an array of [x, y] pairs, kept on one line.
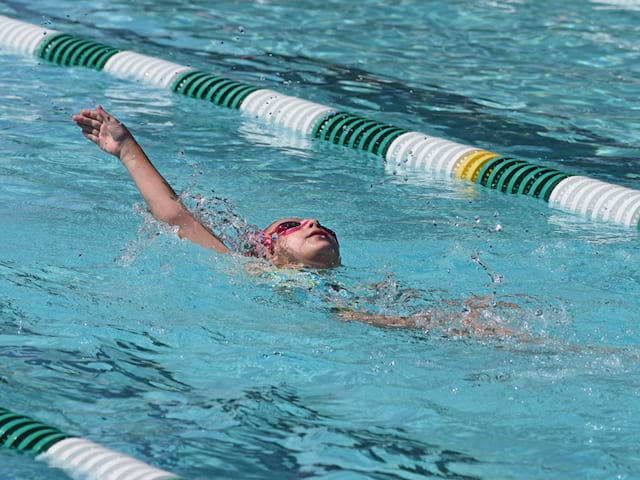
{"points": [[288, 242]]}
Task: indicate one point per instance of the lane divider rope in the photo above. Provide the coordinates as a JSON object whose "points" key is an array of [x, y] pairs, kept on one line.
{"points": [[590, 198], [78, 457]]}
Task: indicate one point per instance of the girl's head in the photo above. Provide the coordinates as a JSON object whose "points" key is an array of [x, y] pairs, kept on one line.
{"points": [[300, 242]]}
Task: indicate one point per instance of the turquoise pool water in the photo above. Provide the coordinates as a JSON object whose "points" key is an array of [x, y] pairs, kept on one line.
{"points": [[114, 330]]}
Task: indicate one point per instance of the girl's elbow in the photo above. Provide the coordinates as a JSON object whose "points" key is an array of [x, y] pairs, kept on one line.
{"points": [[170, 214]]}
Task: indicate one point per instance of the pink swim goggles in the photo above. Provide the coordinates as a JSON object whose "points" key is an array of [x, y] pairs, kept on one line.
{"points": [[264, 242], [291, 226]]}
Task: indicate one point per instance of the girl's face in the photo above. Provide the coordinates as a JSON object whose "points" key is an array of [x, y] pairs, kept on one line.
{"points": [[303, 242]]}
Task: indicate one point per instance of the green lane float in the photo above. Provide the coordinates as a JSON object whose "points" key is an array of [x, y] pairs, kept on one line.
{"points": [[219, 90], [78, 457], [590, 198], [27, 435], [68, 50], [353, 131]]}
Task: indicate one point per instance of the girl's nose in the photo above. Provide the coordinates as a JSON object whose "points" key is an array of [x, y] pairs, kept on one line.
{"points": [[313, 223]]}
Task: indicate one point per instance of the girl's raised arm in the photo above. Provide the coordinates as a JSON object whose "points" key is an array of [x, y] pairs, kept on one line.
{"points": [[113, 137]]}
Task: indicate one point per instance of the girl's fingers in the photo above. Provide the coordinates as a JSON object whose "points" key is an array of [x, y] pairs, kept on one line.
{"points": [[90, 136], [104, 115], [93, 114], [91, 131], [100, 114], [89, 113], [86, 121], [82, 123]]}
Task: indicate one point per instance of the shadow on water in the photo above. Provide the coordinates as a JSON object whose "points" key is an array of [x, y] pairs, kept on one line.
{"points": [[278, 435]]}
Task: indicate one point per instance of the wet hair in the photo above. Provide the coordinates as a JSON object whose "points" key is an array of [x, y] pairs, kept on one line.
{"points": [[258, 244]]}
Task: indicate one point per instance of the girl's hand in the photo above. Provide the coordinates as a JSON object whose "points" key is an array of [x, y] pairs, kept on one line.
{"points": [[104, 130]]}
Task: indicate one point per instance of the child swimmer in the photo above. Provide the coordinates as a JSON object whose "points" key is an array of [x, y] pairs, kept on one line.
{"points": [[288, 242]]}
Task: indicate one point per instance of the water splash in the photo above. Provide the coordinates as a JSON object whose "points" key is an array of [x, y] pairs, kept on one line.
{"points": [[495, 277], [219, 215], [216, 213]]}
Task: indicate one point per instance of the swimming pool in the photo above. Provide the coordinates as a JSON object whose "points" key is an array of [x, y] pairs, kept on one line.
{"points": [[115, 330]]}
